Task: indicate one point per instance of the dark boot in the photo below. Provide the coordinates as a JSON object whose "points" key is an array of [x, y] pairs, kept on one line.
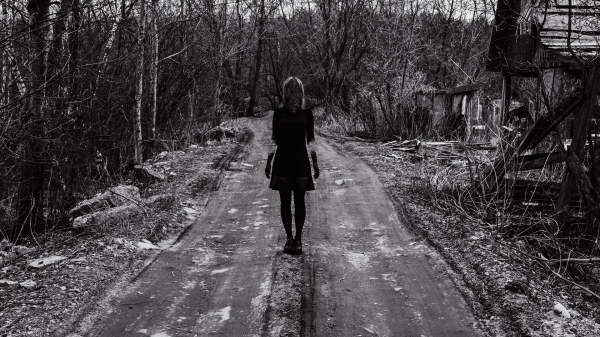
{"points": [[289, 246], [297, 247]]}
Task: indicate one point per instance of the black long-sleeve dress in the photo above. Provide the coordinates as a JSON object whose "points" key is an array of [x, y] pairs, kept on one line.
{"points": [[291, 165]]}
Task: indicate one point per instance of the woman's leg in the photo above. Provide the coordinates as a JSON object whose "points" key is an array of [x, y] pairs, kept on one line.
{"points": [[286, 212], [300, 212]]}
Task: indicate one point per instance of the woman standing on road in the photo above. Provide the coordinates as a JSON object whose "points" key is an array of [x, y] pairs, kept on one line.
{"points": [[293, 130]]}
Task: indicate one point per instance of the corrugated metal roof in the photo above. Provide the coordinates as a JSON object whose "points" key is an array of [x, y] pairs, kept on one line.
{"points": [[553, 18]]}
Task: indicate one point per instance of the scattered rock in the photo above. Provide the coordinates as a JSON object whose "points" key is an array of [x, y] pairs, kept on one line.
{"points": [[147, 176], [160, 200], [7, 283], [560, 310], [29, 284], [189, 210], [115, 196], [341, 182], [162, 155], [110, 217], [145, 244], [5, 245], [45, 261], [22, 249], [99, 202], [124, 194]]}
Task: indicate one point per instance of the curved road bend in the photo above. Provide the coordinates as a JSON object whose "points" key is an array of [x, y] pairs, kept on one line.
{"points": [[362, 273]]}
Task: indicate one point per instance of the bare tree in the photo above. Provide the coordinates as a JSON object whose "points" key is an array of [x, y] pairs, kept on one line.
{"points": [[137, 119], [153, 76], [30, 208], [261, 17]]}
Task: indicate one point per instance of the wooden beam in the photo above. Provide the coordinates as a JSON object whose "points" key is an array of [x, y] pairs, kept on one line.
{"points": [[506, 97], [581, 126], [538, 161], [543, 126], [536, 133]]}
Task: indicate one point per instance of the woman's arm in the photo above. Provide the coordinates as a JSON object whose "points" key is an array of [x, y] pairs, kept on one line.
{"points": [[275, 131], [310, 132], [310, 127], [310, 139], [275, 127]]}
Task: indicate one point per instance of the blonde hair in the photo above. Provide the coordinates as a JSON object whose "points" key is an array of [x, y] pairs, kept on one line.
{"points": [[293, 94]]}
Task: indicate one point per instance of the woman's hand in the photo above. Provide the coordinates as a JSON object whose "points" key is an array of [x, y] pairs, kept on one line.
{"points": [[313, 155], [268, 167]]}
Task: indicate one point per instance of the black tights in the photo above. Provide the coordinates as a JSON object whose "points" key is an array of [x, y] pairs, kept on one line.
{"points": [[286, 212]]}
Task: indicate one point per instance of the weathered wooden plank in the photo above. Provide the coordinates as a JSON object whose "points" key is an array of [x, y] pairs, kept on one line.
{"points": [[536, 133], [543, 126], [538, 161]]}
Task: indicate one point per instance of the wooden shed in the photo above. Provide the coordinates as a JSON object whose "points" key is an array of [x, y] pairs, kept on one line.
{"points": [[462, 100]]}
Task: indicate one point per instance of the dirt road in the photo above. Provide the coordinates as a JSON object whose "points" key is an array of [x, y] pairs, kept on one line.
{"points": [[362, 273]]}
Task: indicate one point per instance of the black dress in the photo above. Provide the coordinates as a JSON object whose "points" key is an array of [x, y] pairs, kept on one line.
{"points": [[291, 165]]}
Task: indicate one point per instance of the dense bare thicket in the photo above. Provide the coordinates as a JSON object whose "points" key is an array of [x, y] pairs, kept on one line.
{"points": [[89, 87], [75, 77]]}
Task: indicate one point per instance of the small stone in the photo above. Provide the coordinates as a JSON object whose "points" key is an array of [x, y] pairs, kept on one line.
{"points": [[5, 283], [5, 244], [44, 261], [23, 250], [560, 310], [29, 284], [145, 244]]}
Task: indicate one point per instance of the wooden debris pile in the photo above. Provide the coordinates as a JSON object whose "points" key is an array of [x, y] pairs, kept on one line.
{"points": [[523, 193], [447, 150]]}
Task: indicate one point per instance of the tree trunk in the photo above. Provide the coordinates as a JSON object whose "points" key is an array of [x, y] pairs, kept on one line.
{"points": [[191, 107], [137, 118], [62, 22], [153, 77], [30, 208], [74, 48], [60, 52], [327, 63], [4, 57], [258, 60]]}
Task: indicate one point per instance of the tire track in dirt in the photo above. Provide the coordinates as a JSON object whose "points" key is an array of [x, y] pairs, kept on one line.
{"points": [[369, 276], [226, 275]]}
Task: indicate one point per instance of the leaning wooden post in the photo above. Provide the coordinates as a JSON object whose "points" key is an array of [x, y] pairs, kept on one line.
{"points": [[581, 126], [506, 98]]}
